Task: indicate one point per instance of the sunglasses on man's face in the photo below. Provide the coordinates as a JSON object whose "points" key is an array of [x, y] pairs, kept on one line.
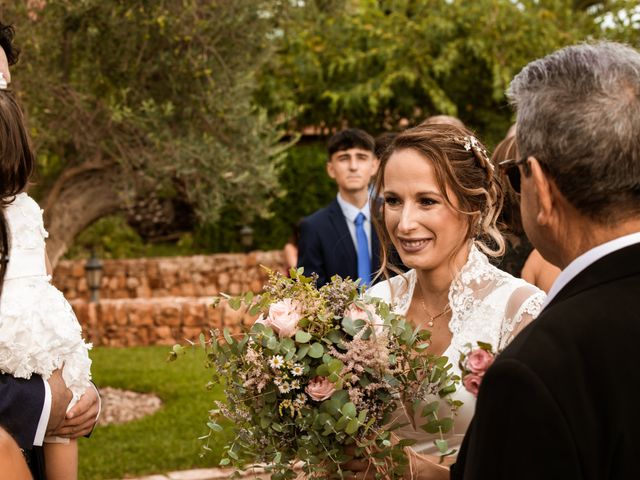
{"points": [[512, 171]]}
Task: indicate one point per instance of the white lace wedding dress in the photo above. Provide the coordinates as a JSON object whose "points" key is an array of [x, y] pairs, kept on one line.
{"points": [[487, 305], [39, 332]]}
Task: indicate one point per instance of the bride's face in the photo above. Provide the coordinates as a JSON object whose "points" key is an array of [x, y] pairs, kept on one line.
{"points": [[426, 231]]}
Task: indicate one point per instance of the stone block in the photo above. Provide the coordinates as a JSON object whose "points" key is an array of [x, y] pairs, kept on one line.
{"points": [[193, 333], [167, 314], [143, 291], [235, 288], [223, 281], [106, 314], [120, 312], [187, 289], [211, 289], [163, 332], [193, 313], [256, 286]]}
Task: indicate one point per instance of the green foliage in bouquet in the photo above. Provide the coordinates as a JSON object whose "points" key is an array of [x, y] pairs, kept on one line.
{"points": [[322, 370]]}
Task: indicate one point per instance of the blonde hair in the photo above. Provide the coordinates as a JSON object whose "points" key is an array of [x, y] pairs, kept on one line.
{"points": [[461, 164]]}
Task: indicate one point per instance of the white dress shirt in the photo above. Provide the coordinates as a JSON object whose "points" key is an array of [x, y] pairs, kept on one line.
{"points": [[350, 213], [588, 258], [44, 417]]}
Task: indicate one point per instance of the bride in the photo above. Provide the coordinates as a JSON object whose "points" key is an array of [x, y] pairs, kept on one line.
{"points": [[441, 201]]}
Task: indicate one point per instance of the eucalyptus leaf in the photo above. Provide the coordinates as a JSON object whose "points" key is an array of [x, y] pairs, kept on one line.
{"points": [[316, 350], [302, 336]]}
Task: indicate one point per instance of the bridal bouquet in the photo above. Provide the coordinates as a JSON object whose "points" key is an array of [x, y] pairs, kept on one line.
{"points": [[321, 370], [474, 362]]}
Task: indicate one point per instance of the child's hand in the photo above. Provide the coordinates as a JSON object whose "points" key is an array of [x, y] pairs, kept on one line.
{"points": [[81, 419]]}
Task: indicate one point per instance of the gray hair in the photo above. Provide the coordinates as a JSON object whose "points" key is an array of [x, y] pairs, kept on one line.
{"points": [[579, 115]]}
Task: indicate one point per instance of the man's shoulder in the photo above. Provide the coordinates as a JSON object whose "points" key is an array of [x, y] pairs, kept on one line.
{"points": [[320, 216], [598, 319]]}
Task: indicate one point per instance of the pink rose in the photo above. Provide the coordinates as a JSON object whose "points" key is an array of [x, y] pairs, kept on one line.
{"points": [[283, 318], [479, 360], [472, 383], [368, 314], [320, 388]]}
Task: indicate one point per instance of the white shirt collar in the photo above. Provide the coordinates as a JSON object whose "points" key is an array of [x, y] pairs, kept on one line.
{"points": [[351, 211], [588, 258]]}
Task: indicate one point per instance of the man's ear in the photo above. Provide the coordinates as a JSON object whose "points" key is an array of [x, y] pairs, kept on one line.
{"points": [[330, 170], [544, 192]]}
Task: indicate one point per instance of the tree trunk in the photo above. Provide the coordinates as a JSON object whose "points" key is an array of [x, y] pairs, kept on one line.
{"points": [[79, 197]]}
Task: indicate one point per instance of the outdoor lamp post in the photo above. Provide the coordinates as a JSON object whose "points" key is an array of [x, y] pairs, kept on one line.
{"points": [[93, 271], [246, 237]]}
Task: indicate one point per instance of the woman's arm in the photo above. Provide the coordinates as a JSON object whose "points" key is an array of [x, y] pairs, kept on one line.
{"points": [[12, 463], [420, 467]]}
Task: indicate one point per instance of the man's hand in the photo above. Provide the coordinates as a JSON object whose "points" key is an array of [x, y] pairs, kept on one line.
{"points": [[60, 398], [81, 419]]}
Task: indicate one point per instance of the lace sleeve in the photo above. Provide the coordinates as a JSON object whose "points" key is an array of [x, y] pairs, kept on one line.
{"points": [[523, 306]]}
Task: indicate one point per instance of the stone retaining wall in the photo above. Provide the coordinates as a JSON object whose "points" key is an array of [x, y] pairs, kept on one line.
{"points": [[163, 300], [195, 276]]}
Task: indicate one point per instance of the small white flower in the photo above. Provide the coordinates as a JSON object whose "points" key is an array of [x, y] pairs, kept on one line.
{"points": [[276, 362], [300, 401], [277, 381], [297, 370], [284, 387], [295, 384]]}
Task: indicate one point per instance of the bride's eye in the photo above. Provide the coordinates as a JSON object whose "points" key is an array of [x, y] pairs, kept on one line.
{"points": [[427, 201], [391, 200]]}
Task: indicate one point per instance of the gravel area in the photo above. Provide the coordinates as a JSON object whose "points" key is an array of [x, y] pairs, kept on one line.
{"points": [[121, 406]]}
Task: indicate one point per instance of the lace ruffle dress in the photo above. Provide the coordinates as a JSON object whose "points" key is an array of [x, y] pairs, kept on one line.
{"points": [[39, 332], [487, 304]]}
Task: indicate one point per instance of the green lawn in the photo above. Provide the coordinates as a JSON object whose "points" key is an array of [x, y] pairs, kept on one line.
{"points": [[165, 441]]}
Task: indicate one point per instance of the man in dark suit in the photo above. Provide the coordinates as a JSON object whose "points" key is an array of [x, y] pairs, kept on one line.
{"points": [[340, 239], [31, 408], [561, 402]]}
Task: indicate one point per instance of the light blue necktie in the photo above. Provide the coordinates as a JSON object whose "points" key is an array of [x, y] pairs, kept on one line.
{"points": [[364, 262]]}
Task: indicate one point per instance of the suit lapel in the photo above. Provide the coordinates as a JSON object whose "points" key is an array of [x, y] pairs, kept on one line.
{"points": [[619, 264], [342, 235]]}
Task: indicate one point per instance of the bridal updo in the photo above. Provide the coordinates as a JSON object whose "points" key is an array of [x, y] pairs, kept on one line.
{"points": [[462, 165]]}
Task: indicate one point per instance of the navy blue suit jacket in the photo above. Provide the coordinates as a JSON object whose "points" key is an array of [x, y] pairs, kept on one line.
{"points": [[21, 403], [326, 247], [561, 401]]}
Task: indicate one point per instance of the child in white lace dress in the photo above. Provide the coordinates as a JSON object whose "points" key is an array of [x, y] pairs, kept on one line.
{"points": [[39, 332]]}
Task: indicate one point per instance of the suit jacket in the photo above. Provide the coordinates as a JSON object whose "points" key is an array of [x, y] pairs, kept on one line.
{"points": [[21, 403], [561, 402], [325, 246]]}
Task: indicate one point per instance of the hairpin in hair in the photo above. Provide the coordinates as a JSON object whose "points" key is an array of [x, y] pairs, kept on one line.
{"points": [[471, 144]]}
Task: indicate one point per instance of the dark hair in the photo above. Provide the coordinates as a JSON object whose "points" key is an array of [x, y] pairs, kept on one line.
{"points": [[17, 162], [460, 163], [510, 215], [350, 138], [6, 42]]}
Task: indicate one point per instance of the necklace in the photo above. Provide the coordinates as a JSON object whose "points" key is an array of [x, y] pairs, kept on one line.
{"points": [[432, 318]]}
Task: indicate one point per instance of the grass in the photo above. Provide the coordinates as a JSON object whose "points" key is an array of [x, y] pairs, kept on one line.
{"points": [[165, 441]]}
